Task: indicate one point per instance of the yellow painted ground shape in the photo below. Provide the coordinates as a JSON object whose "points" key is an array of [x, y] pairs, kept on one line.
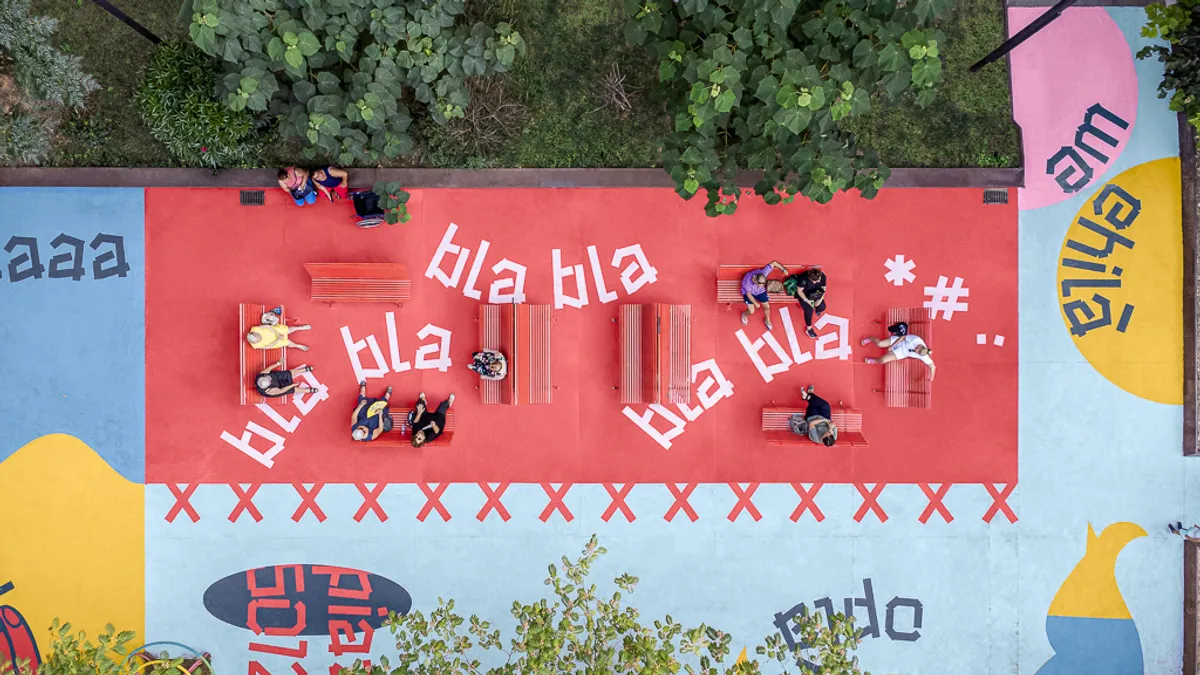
{"points": [[73, 539], [1147, 359], [1090, 590]]}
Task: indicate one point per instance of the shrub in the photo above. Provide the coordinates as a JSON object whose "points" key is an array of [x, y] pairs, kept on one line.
{"points": [[40, 68], [336, 71], [24, 139], [176, 99], [1177, 24], [764, 86]]}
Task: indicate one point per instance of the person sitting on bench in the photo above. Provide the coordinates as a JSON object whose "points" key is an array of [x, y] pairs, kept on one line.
{"points": [[273, 383], [754, 292], [901, 345], [298, 184], [426, 425], [490, 364], [370, 417], [274, 336], [819, 415], [809, 290], [331, 181]]}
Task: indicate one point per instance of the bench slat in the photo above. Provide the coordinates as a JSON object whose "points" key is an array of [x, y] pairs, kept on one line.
{"points": [[401, 433], [906, 382], [656, 345], [252, 361], [848, 421], [360, 282]]}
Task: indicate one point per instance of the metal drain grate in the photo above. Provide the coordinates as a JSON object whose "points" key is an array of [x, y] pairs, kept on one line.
{"points": [[995, 196], [253, 198]]}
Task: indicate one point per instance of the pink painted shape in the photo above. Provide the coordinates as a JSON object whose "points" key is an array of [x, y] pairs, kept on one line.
{"points": [[1079, 60]]}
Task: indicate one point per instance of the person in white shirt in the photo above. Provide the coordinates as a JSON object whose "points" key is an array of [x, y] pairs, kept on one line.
{"points": [[901, 345]]}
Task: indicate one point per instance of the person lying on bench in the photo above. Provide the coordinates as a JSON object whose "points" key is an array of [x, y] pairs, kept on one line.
{"points": [[370, 417], [901, 345], [298, 184], [273, 383], [490, 364], [819, 415], [274, 337], [426, 425], [331, 181], [754, 292]]}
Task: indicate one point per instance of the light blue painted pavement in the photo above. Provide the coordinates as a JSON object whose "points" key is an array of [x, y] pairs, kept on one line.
{"points": [[734, 575], [73, 361], [1078, 462]]}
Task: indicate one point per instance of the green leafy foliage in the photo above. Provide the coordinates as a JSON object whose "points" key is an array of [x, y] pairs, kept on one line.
{"points": [[42, 70], [339, 72], [75, 654], [25, 139], [177, 102], [1179, 25], [580, 629], [766, 86], [394, 202]]}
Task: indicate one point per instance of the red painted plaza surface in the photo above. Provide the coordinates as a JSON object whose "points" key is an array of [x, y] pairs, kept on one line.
{"points": [[205, 254]]}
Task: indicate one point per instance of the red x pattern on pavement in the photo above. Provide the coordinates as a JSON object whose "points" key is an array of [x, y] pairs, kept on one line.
{"points": [[433, 500], [245, 503], [556, 502], [182, 501], [870, 501], [808, 502], [935, 502], [493, 502], [370, 502], [999, 502], [618, 502], [308, 501], [743, 502], [681, 502]]}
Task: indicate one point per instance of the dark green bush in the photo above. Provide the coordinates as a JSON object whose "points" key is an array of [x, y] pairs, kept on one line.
{"points": [[1179, 25], [177, 100]]}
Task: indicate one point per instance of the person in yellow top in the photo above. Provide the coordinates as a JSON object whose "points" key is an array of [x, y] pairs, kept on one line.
{"points": [[274, 336]]}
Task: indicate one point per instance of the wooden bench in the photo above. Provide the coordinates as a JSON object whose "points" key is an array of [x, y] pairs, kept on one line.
{"points": [[522, 334], [848, 421], [656, 353], [401, 433], [729, 283], [906, 382], [253, 361], [359, 282]]}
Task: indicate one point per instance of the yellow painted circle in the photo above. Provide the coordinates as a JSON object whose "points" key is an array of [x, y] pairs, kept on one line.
{"points": [[1120, 281]]}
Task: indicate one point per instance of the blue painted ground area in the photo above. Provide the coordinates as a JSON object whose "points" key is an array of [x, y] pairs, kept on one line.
{"points": [[72, 344]]}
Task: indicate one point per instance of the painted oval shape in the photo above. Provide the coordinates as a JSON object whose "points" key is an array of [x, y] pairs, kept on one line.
{"points": [[305, 599], [16, 639]]}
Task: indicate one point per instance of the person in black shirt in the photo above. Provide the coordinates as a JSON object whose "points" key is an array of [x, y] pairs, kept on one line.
{"points": [[426, 425], [272, 383], [809, 290], [371, 416]]}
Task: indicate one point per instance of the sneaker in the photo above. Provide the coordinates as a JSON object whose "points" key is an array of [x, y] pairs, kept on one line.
{"points": [[1173, 529], [870, 360], [769, 326], [811, 333], [451, 399], [387, 393], [745, 319], [865, 342]]}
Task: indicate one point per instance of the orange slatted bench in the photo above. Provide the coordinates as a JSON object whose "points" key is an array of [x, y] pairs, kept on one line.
{"points": [[401, 433], [359, 282], [848, 421], [253, 361], [656, 353], [522, 334], [729, 283], [906, 382]]}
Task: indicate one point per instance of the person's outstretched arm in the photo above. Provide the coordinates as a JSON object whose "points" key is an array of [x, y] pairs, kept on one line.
{"points": [[273, 366]]}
